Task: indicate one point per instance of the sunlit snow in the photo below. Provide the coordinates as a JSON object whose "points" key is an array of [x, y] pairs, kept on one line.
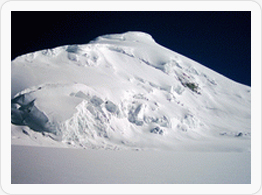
{"points": [[125, 91]]}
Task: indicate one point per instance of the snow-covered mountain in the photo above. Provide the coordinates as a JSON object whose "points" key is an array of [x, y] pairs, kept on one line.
{"points": [[125, 91]]}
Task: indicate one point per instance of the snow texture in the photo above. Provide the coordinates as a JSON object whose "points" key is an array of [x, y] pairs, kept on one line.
{"points": [[125, 91]]}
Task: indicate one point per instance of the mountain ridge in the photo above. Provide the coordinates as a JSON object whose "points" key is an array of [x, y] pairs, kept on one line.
{"points": [[125, 91]]}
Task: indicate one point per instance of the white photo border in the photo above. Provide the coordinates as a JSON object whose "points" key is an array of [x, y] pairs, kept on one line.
{"points": [[9, 6]]}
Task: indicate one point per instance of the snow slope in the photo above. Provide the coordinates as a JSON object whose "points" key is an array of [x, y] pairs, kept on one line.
{"points": [[125, 91]]}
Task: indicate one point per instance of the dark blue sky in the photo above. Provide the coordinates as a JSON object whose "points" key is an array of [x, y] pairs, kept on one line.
{"points": [[218, 40]]}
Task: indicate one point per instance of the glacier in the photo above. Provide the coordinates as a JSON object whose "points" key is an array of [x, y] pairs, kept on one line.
{"points": [[126, 92]]}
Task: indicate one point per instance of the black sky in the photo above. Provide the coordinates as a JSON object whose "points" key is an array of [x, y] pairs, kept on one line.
{"points": [[218, 40]]}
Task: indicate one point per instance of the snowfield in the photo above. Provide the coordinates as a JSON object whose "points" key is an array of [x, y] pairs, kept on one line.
{"points": [[43, 165], [126, 92]]}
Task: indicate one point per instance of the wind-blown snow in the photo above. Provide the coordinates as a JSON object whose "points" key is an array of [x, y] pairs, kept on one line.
{"points": [[125, 91]]}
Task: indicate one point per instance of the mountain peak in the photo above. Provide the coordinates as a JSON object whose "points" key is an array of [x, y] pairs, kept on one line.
{"points": [[130, 36], [124, 91]]}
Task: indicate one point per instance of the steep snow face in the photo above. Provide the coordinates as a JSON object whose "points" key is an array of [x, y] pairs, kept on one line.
{"points": [[125, 91]]}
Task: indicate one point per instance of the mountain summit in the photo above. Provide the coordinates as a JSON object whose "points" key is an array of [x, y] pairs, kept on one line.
{"points": [[125, 91]]}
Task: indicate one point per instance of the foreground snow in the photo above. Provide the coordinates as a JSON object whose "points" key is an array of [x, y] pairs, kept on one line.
{"points": [[45, 165]]}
